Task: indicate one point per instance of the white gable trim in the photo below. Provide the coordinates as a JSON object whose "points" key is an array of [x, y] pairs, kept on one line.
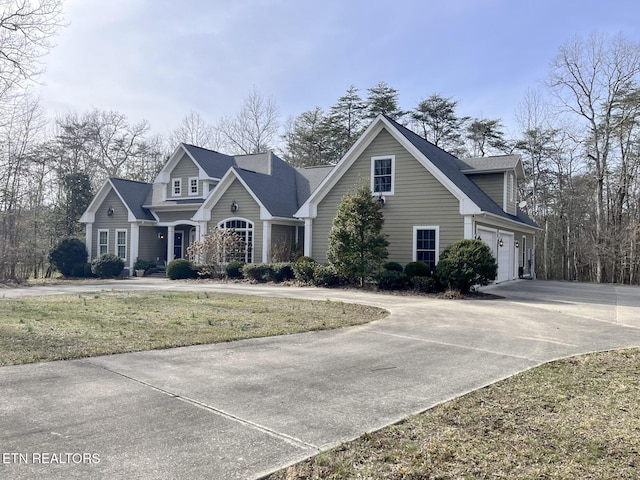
{"points": [[89, 216], [165, 174], [309, 209], [204, 212]]}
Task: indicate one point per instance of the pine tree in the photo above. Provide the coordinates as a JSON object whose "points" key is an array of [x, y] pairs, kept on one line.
{"points": [[383, 99], [435, 119]]}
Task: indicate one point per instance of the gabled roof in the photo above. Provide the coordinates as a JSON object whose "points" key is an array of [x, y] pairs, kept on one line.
{"points": [[277, 187], [131, 193], [445, 167], [213, 163]]}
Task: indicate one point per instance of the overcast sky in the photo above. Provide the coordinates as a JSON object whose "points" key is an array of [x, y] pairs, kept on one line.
{"points": [[159, 59]]}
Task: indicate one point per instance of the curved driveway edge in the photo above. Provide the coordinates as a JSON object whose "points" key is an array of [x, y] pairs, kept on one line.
{"points": [[243, 409]]}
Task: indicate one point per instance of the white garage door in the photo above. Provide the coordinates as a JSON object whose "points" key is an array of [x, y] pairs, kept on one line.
{"points": [[505, 257], [490, 237]]}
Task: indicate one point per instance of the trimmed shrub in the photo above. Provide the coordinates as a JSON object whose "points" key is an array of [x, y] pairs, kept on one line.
{"points": [[180, 269], [326, 276], [425, 284], [392, 280], [282, 272], [258, 272], [143, 264], [234, 269], [107, 265], [303, 270], [464, 264], [392, 267], [417, 269], [67, 255]]}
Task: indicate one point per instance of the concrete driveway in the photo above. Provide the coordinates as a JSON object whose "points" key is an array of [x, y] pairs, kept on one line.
{"points": [[243, 409]]}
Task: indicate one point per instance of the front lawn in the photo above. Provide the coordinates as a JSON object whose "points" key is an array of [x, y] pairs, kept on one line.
{"points": [[577, 418], [61, 327]]}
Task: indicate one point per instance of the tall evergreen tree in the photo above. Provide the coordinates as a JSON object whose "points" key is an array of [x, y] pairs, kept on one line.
{"points": [[383, 99], [436, 120], [345, 121], [357, 246], [307, 142], [484, 134]]}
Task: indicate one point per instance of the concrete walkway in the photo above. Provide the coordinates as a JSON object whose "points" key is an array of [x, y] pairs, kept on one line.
{"points": [[243, 409]]}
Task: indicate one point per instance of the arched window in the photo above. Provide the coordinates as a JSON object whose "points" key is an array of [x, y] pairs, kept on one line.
{"points": [[244, 229]]}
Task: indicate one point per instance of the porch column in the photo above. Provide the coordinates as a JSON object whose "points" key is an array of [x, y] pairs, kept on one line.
{"points": [[308, 225], [266, 241], [89, 240], [170, 232], [468, 227], [133, 248]]}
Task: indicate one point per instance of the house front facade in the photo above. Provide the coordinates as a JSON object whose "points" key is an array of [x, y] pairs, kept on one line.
{"points": [[430, 200]]}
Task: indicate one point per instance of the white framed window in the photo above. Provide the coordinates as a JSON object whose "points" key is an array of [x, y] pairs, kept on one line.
{"points": [[244, 229], [193, 185], [121, 244], [176, 187], [103, 242], [383, 174], [426, 245]]}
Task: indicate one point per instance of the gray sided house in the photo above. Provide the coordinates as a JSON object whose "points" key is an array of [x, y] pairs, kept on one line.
{"points": [[430, 200]]}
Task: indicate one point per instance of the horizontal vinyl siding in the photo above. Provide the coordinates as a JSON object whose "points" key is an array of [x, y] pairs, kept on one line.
{"points": [[184, 169], [247, 209], [512, 193], [419, 200], [492, 184], [117, 221], [151, 247]]}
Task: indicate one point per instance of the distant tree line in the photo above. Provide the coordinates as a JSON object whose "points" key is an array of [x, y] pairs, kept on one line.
{"points": [[579, 138]]}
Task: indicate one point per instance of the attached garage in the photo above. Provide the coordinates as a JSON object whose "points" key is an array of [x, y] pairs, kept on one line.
{"points": [[502, 245]]}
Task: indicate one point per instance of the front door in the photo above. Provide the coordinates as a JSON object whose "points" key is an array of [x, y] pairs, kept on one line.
{"points": [[177, 245]]}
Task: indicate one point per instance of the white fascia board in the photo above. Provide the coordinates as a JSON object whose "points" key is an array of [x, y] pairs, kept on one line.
{"points": [[309, 208], [164, 176], [89, 215]]}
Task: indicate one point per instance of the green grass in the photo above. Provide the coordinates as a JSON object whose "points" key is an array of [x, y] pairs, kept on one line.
{"points": [[577, 418], [61, 327]]}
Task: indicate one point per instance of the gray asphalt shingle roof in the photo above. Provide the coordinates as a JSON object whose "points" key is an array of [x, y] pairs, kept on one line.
{"points": [[213, 163], [134, 194]]}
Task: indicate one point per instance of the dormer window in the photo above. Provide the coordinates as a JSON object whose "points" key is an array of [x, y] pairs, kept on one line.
{"points": [[383, 174], [176, 187], [193, 186]]}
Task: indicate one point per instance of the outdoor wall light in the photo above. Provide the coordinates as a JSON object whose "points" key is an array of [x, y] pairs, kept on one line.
{"points": [[234, 206], [110, 211], [382, 200], [160, 236], [517, 244], [500, 243]]}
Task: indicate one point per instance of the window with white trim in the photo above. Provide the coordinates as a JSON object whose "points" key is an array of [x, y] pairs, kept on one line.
{"points": [[121, 244], [244, 229], [176, 187], [426, 245], [103, 242], [383, 174], [193, 186]]}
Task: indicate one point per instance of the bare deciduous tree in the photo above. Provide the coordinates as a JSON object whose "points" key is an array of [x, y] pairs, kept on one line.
{"points": [[590, 78], [254, 129], [194, 130], [26, 27]]}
